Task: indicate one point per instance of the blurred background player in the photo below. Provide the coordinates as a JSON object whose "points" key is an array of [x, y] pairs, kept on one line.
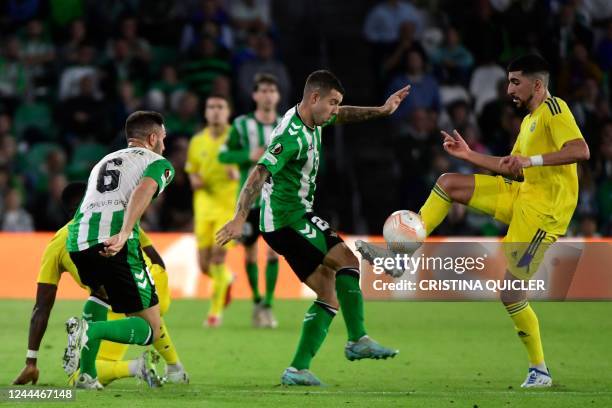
{"points": [[109, 363], [103, 244], [248, 139], [286, 176], [215, 186], [537, 203]]}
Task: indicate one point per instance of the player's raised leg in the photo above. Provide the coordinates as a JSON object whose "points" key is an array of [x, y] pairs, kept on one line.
{"points": [[449, 188]]}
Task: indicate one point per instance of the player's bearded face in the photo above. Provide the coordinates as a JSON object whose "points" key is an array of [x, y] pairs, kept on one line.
{"points": [[520, 89], [158, 142], [326, 106]]}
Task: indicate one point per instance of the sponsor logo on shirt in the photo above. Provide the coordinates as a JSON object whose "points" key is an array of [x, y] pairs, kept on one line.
{"points": [[277, 149]]}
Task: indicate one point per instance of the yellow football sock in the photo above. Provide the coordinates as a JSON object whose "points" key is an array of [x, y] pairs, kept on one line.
{"points": [[528, 330], [221, 279], [109, 371], [112, 351], [435, 208], [165, 346]]}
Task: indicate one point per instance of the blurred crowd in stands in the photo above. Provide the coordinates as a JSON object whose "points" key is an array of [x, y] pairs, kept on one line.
{"points": [[71, 71]]}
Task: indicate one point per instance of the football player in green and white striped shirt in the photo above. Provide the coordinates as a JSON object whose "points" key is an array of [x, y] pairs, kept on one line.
{"points": [[285, 175], [248, 139], [103, 244]]}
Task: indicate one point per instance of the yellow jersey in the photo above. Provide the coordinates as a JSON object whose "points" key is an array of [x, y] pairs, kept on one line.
{"points": [[216, 199], [550, 191], [56, 259]]}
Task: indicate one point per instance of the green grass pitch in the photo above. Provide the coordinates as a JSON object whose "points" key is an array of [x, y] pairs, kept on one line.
{"points": [[451, 355]]}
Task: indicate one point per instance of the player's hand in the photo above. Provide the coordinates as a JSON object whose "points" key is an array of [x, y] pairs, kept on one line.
{"points": [[514, 165], [231, 230], [256, 154], [455, 145], [394, 100], [113, 245], [28, 374]]}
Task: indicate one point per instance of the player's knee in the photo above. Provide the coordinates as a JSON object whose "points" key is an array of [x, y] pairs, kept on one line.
{"points": [[340, 256], [508, 297], [218, 255], [272, 256], [348, 259], [156, 329], [448, 183], [323, 283], [205, 266], [251, 253]]}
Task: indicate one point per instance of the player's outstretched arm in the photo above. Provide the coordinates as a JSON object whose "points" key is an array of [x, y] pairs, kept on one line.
{"points": [[139, 201], [45, 298], [456, 146], [250, 191], [352, 114]]}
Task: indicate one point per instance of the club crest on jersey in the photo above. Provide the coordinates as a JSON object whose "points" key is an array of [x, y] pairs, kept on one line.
{"points": [[277, 149], [533, 126]]}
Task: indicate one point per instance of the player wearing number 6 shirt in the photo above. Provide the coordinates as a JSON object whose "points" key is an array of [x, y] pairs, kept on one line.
{"points": [[103, 244], [287, 174]]}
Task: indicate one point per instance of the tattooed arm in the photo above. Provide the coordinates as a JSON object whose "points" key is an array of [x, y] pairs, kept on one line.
{"points": [[351, 114], [250, 191]]}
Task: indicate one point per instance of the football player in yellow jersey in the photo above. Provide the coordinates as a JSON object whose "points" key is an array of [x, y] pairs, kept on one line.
{"points": [[215, 187], [109, 363], [537, 209]]}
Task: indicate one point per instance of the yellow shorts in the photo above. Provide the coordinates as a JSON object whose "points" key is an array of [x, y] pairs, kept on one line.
{"points": [[205, 231], [526, 241]]}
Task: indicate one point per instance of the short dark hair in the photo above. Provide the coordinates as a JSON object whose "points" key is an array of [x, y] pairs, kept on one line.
{"points": [[529, 64], [217, 96], [263, 78], [141, 124], [324, 80], [532, 65], [72, 195]]}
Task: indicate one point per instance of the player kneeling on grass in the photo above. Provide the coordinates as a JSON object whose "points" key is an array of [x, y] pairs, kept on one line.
{"points": [[109, 364], [103, 244], [285, 175]]}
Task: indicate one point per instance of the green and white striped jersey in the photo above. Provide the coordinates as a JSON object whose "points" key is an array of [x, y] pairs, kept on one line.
{"points": [[247, 135], [109, 187], [292, 158]]}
